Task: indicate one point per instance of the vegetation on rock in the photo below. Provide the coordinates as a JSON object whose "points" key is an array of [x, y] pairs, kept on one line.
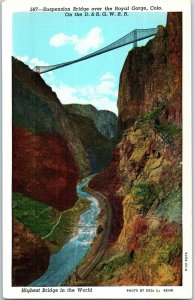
{"points": [[146, 204], [52, 226]]}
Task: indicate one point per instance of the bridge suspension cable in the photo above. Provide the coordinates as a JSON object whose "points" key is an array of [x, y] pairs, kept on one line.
{"points": [[132, 37]]}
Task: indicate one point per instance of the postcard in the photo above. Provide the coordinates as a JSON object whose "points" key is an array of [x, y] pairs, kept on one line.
{"points": [[97, 194]]}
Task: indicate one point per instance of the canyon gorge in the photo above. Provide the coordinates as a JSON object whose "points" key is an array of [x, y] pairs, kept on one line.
{"points": [[135, 160]]}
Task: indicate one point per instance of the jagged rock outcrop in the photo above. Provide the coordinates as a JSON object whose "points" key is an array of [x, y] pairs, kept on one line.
{"points": [[104, 120], [146, 224], [30, 256], [152, 75]]}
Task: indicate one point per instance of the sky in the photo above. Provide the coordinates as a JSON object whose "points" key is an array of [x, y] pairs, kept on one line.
{"points": [[51, 38]]}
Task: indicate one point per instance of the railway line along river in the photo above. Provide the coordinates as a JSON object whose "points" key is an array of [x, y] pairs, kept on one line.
{"points": [[63, 263]]}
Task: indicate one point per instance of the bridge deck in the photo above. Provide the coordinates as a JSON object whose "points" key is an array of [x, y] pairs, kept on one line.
{"points": [[132, 37]]}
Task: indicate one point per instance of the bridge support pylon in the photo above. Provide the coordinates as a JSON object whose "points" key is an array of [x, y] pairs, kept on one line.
{"points": [[135, 38]]}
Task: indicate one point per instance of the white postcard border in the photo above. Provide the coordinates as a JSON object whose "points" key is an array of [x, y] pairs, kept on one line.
{"points": [[181, 292]]}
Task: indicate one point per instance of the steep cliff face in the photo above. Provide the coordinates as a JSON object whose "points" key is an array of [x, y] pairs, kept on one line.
{"points": [[109, 183], [34, 101], [43, 164], [146, 224], [44, 168], [152, 75], [97, 132], [30, 256], [52, 148], [104, 120], [37, 108]]}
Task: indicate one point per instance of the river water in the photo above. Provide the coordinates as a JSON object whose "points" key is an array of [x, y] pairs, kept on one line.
{"points": [[63, 263]]}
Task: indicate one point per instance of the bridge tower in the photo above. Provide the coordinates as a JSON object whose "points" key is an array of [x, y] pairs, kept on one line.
{"points": [[135, 38], [36, 69]]}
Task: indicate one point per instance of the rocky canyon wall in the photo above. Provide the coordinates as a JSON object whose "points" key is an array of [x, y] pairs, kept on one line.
{"points": [[152, 75], [144, 180]]}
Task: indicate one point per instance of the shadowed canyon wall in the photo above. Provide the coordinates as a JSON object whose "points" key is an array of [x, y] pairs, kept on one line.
{"points": [[41, 154]]}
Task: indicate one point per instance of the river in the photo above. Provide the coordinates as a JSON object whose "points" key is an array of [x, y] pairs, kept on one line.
{"points": [[63, 263]]}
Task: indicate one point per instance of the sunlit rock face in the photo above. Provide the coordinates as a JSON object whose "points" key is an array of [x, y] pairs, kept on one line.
{"points": [[143, 183], [104, 120], [152, 75]]}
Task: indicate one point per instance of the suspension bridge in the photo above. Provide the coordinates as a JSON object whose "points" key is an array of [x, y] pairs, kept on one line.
{"points": [[132, 37]]}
